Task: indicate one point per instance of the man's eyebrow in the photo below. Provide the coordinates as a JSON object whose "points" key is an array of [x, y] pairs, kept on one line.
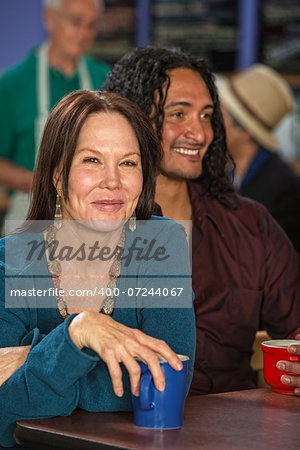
{"points": [[174, 104]]}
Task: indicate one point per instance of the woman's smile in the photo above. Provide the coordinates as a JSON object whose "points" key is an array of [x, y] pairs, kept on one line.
{"points": [[109, 205]]}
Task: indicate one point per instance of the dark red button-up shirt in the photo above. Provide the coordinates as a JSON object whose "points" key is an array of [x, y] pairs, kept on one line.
{"points": [[246, 277]]}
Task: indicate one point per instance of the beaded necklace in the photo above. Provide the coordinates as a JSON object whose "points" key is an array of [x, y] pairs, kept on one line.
{"points": [[114, 272]]}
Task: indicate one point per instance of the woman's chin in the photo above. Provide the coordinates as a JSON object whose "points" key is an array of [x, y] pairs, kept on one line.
{"points": [[106, 224]]}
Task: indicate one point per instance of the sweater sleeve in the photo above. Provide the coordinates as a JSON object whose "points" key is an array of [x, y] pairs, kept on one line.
{"points": [[47, 384]]}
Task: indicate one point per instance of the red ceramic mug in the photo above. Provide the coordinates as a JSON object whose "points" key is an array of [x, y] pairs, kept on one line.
{"points": [[274, 351]]}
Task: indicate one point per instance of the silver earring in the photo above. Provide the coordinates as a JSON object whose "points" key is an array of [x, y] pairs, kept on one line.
{"points": [[132, 222], [58, 213]]}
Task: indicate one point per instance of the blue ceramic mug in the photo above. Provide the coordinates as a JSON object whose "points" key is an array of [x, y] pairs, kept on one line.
{"points": [[161, 409]]}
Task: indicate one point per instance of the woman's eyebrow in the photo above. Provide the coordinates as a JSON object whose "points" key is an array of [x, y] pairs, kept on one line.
{"points": [[87, 149]]}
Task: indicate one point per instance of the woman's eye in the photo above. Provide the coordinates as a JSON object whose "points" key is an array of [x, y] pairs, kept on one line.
{"points": [[129, 163], [91, 159]]}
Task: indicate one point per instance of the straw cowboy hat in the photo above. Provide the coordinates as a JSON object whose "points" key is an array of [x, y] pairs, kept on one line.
{"points": [[258, 98]]}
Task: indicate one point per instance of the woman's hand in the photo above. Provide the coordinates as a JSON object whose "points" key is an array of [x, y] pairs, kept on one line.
{"points": [[11, 358], [292, 367], [115, 343]]}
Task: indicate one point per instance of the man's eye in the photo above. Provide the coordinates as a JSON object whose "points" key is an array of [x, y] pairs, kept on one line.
{"points": [[91, 159], [177, 114], [74, 21], [205, 116]]}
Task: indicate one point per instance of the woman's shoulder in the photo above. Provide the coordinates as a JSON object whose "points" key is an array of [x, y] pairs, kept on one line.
{"points": [[9, 252], [167, 222], [9, 240], [158, 225], [157, 233], [16, 251]]}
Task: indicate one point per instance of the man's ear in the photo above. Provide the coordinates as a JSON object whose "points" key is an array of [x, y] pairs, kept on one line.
{"points": [[49, 18]]}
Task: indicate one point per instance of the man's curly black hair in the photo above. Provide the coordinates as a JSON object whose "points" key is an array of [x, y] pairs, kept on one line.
{"points": [[141, 76]]}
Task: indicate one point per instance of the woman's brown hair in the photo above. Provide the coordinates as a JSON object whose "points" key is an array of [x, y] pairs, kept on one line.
{"points": [[59, 142]]}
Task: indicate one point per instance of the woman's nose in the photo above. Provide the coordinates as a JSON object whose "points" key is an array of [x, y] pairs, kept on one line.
{"points": [[110, 178]]}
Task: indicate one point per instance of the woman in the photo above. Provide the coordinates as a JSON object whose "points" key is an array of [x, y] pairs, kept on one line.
{"points": [[95, 176]]}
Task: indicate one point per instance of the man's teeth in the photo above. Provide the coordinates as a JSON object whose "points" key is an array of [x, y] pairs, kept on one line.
{"points": [[185, 151]]}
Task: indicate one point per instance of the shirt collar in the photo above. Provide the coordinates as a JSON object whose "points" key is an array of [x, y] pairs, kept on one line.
{"points": [[206, 207]]}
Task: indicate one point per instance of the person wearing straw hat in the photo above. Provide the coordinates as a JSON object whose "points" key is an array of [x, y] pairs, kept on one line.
{"points": [[29, 90], [254, 103]]}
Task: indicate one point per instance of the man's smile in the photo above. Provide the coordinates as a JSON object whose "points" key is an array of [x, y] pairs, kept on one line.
{"points": [[185, 151]]}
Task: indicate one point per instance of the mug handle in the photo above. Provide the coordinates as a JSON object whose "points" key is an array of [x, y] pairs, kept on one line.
{"points": [[145, 383]]}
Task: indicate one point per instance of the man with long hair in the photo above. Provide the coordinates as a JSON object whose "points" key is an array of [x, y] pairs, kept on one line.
{"points": [[245, 271]]}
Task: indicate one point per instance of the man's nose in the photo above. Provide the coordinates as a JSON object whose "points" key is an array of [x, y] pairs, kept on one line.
{"points": [[86, 29], [195, 130]]}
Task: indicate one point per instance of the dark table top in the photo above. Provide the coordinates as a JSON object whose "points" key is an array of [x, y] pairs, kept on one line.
{"points": [[252, 419]]}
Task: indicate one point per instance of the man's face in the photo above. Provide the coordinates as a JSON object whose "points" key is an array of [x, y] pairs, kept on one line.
{"points": [[236, 136], [187, 131], [74, 26]]}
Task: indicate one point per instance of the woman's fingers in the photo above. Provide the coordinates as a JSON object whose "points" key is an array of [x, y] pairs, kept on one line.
{"points": [[148, 342], [147, 349], [115, 372], [127, 350], [157, 374], [159, 347], [133, 369], [115, 343]]}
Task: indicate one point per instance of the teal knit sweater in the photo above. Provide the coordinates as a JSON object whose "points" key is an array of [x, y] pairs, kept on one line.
{"points": [[57, 377]]}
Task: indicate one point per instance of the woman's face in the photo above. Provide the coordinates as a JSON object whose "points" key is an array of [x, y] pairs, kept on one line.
{"points": [[106, 178]]}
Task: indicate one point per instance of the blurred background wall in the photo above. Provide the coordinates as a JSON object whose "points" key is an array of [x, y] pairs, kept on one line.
{"points": [[21, 27]]}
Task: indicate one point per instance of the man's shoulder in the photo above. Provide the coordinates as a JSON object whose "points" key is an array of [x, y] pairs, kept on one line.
{"points": [[247, 206], [280, 170], [244, 208], [275, 169], [98, 70], [233, 206]]}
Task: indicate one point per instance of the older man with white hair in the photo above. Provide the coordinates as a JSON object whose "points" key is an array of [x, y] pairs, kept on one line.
{"points": [[30, 89]]}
